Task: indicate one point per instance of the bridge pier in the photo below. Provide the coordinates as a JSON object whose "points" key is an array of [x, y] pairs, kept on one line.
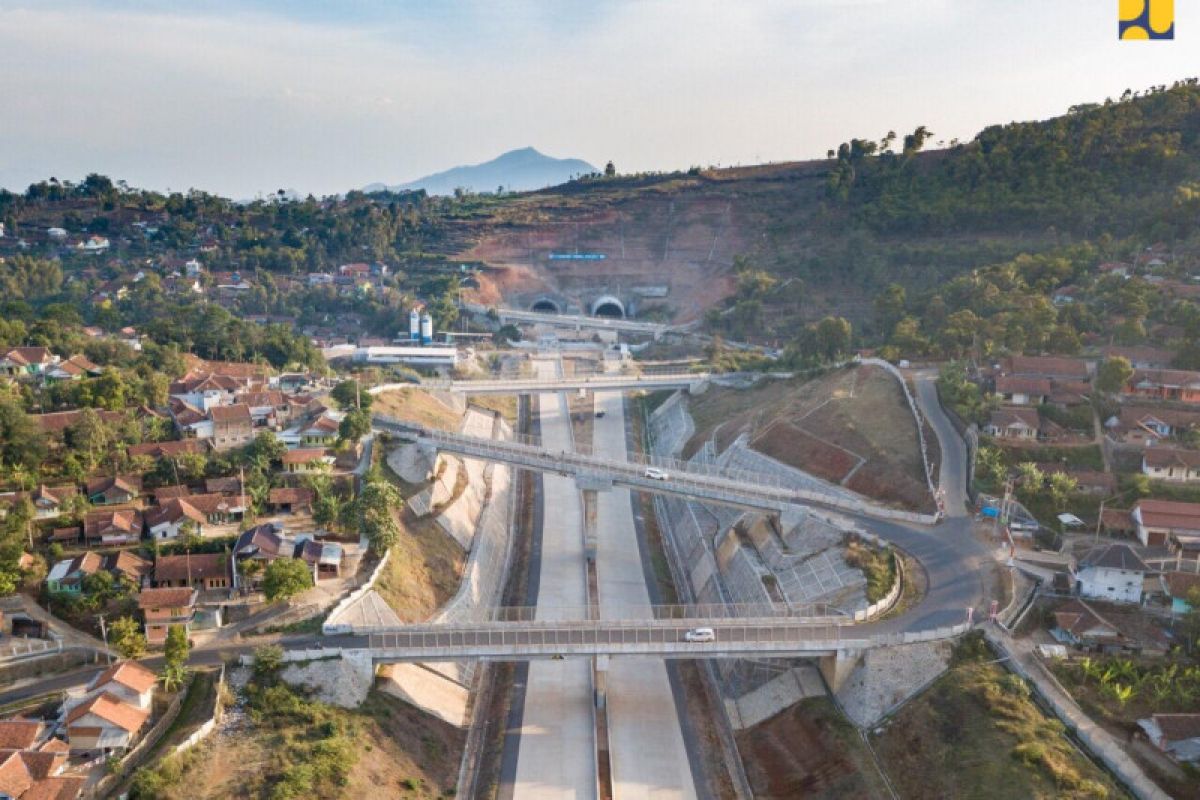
{"points": [[836, 668]]}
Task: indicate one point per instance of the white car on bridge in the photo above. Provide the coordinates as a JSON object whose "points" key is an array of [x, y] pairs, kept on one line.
{"points": [[657, 474], [700, 635]]}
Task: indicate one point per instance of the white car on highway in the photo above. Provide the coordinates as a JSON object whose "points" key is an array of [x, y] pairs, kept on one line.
{"points": [[657, 474], [700, 635]]}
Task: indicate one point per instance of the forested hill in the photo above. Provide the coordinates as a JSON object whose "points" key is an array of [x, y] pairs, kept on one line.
{"points": [[1115, 168], [799, 241]]}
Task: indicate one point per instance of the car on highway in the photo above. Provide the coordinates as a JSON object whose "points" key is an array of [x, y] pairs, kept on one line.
{"points": [[599, 415], [654, 473], [700, 635]]}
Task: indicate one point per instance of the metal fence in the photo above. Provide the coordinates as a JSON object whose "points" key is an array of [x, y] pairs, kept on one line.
{"points": [[638, 637], [818, 613]]}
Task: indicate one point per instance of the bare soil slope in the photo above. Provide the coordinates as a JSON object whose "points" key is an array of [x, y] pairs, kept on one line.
{"points": [[810, 751]]}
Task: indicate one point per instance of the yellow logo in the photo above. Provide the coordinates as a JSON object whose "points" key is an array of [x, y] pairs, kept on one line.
{"points": [[1147, 19]]}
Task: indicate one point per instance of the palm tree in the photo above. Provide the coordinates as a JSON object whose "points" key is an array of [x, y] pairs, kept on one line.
{"points": [[1125, 669], [1090, 669], [1122, 693], [173, 676]]}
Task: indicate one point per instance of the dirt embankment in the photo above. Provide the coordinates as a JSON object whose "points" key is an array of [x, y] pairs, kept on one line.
{"points": [[851, 427], [810, 751]]}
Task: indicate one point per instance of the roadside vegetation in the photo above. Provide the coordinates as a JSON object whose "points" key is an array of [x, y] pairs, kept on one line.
{"points": [[977, 733], [290, 746], [877, 564]]}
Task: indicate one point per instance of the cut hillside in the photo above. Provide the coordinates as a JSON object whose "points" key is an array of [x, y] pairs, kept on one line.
{"points": [[809, 750], [835, 232], [851, 427]]}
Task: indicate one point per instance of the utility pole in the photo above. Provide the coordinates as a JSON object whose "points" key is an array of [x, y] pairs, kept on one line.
{"points": [[104, 635]]}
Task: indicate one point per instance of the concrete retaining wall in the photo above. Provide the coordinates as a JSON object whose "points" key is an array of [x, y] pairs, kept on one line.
{"points": [[208, 727]]}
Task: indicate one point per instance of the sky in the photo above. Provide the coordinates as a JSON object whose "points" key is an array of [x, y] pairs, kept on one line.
{"points": [[242, 97]]}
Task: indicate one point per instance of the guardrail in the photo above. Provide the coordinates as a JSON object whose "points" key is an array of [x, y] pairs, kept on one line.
{"points": [[20, 649]]}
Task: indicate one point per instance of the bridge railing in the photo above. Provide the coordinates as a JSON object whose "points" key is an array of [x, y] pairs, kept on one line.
{"points": [[816, 613], [602, 632]]}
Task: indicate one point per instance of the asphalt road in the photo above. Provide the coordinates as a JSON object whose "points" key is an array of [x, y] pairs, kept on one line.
{"points": [[952, 474]]}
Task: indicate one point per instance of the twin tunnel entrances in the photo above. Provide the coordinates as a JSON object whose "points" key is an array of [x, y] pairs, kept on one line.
{"points": [[604, 306]]}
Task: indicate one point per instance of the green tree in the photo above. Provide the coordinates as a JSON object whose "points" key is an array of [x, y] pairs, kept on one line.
{"points": [[267, 660], [267, 449], [327, 510], [377, 506], [21, 441], [126, 637], [1113, 374], [345, 394], [355, 425], [833, 335], [889, 308], [285, 578]]}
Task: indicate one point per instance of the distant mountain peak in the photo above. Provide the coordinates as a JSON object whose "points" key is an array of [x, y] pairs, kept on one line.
{"points": [[521, 170]]}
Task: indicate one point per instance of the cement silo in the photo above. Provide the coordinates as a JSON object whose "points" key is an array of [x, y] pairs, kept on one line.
{"points": [[426, 329]]}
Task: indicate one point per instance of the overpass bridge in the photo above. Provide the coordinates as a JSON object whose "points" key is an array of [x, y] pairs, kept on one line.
{"points": [[712, 485], [596, 383], [834, 645], [706, 483]]}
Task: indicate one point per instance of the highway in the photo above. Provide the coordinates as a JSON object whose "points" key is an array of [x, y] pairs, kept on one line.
{"points": [[645, 736], [556, 755]]}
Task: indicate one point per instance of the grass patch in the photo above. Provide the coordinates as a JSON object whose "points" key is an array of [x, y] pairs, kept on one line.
{"points": [[310, 625], [291, 746], [424, 570], [419, 406], [878, 565], [1085, 457], [978, 734], [503, 404]]}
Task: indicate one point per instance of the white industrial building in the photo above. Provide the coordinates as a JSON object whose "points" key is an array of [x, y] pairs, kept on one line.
{"points": [[414, 355]]}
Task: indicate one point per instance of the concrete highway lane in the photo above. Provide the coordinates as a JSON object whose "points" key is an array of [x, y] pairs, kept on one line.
{"points": [[557, 748], [649, 759]]}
